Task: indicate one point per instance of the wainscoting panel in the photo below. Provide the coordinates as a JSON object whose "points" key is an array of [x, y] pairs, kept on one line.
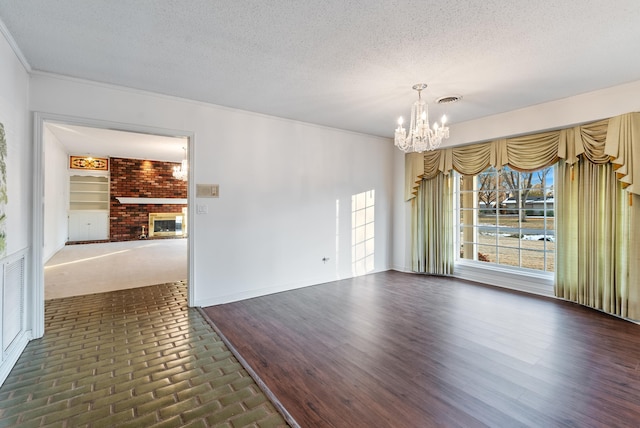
{"points": [[13, 301], [14, 336]]}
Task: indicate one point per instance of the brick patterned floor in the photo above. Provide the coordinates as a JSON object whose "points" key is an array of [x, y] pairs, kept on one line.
{"points": [[138, 358]]}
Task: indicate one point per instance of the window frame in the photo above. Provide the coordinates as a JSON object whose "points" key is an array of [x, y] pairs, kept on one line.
{"points": [[517, 277]]}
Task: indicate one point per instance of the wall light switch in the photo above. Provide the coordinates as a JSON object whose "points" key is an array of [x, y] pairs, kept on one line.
{"points": [[202, 209], [207, 190]]}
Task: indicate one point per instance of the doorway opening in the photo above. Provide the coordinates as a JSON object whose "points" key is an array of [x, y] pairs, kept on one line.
{"points": [[141, 157]]}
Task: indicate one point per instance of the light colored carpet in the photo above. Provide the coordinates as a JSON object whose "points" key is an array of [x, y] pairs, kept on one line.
{"points": [[97, 268]]}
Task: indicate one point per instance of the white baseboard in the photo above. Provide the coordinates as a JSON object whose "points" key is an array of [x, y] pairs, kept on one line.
{"points": [[258, 292], [47, 257], [404, 269]]}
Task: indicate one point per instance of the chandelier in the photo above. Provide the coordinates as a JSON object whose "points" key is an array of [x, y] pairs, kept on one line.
{"points": [[182, 172], [421, 136]]}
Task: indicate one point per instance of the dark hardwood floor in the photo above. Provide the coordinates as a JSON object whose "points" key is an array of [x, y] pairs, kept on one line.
{"points": [[402, 350]]}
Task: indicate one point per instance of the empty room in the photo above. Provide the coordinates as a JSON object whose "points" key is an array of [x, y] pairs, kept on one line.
{"points": [[400, 214]]}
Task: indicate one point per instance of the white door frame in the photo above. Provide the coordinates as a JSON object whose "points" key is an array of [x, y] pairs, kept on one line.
{"points": [[36, 286]]}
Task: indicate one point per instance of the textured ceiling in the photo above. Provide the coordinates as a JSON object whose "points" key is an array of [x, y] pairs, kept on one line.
{"points": [[343, 63], [98, 142]]}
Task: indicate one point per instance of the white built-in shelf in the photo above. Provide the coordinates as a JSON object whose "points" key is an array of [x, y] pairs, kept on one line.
{"points": [[88, 193]]}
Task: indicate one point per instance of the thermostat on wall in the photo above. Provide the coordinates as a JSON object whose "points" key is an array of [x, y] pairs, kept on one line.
{"points": [[207, 190]]}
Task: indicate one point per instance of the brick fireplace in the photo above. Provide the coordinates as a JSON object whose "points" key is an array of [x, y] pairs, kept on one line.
{"points": [[138, 181]]}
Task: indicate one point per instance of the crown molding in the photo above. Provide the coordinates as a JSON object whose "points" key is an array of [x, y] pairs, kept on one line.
{"points": [[14, 46]]}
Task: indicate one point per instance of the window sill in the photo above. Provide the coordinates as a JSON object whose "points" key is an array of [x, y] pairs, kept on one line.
{"points": [[540, 283]]}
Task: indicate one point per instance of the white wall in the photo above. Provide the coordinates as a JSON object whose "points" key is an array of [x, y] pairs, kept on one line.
{"points": [[401, 218], [279, 182], [562, 113], [56, 195], [14, 114]]}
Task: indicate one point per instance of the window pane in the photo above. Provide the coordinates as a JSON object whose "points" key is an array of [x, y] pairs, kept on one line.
{"points": [[487, 235], [550, 222], [508, 225], [487, 201], [509, 240], [550, 258], [487, 253], [506, 217], [488, 217], [533, 259], [467, 216], [509, 256]]}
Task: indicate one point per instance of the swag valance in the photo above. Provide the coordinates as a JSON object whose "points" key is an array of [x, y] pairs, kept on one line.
{"points": [[610, 140]]}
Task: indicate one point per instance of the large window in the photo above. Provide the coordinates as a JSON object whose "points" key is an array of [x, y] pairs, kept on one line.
{"points": [[507, 217]]}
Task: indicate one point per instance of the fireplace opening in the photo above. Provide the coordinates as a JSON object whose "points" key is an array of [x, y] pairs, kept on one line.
{"points": [[166, 224]]}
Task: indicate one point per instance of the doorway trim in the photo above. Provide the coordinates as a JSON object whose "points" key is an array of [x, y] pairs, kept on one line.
{"points": [[36, 286]]}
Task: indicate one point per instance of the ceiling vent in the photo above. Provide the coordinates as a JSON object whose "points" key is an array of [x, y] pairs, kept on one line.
{"points": [[449, 99]]}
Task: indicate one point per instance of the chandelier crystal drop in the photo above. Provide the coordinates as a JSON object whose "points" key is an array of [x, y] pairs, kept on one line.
{"points": [[181, 172], [421, 136]]}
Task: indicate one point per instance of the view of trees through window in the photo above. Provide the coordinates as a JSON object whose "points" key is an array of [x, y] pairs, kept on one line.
{"points": [[507, 217]]}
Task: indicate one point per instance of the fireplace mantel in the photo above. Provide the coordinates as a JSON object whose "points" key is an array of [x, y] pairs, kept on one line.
{"points": [[173, 201]]}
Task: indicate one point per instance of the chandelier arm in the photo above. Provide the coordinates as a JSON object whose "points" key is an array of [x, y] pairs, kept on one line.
{"points": [[421, 136]]}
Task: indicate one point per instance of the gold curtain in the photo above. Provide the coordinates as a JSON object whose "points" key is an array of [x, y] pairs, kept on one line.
{"points": [[593, 220], [623, 146], [598, 250], [413, 172], [432, 224], [620, 135]]}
